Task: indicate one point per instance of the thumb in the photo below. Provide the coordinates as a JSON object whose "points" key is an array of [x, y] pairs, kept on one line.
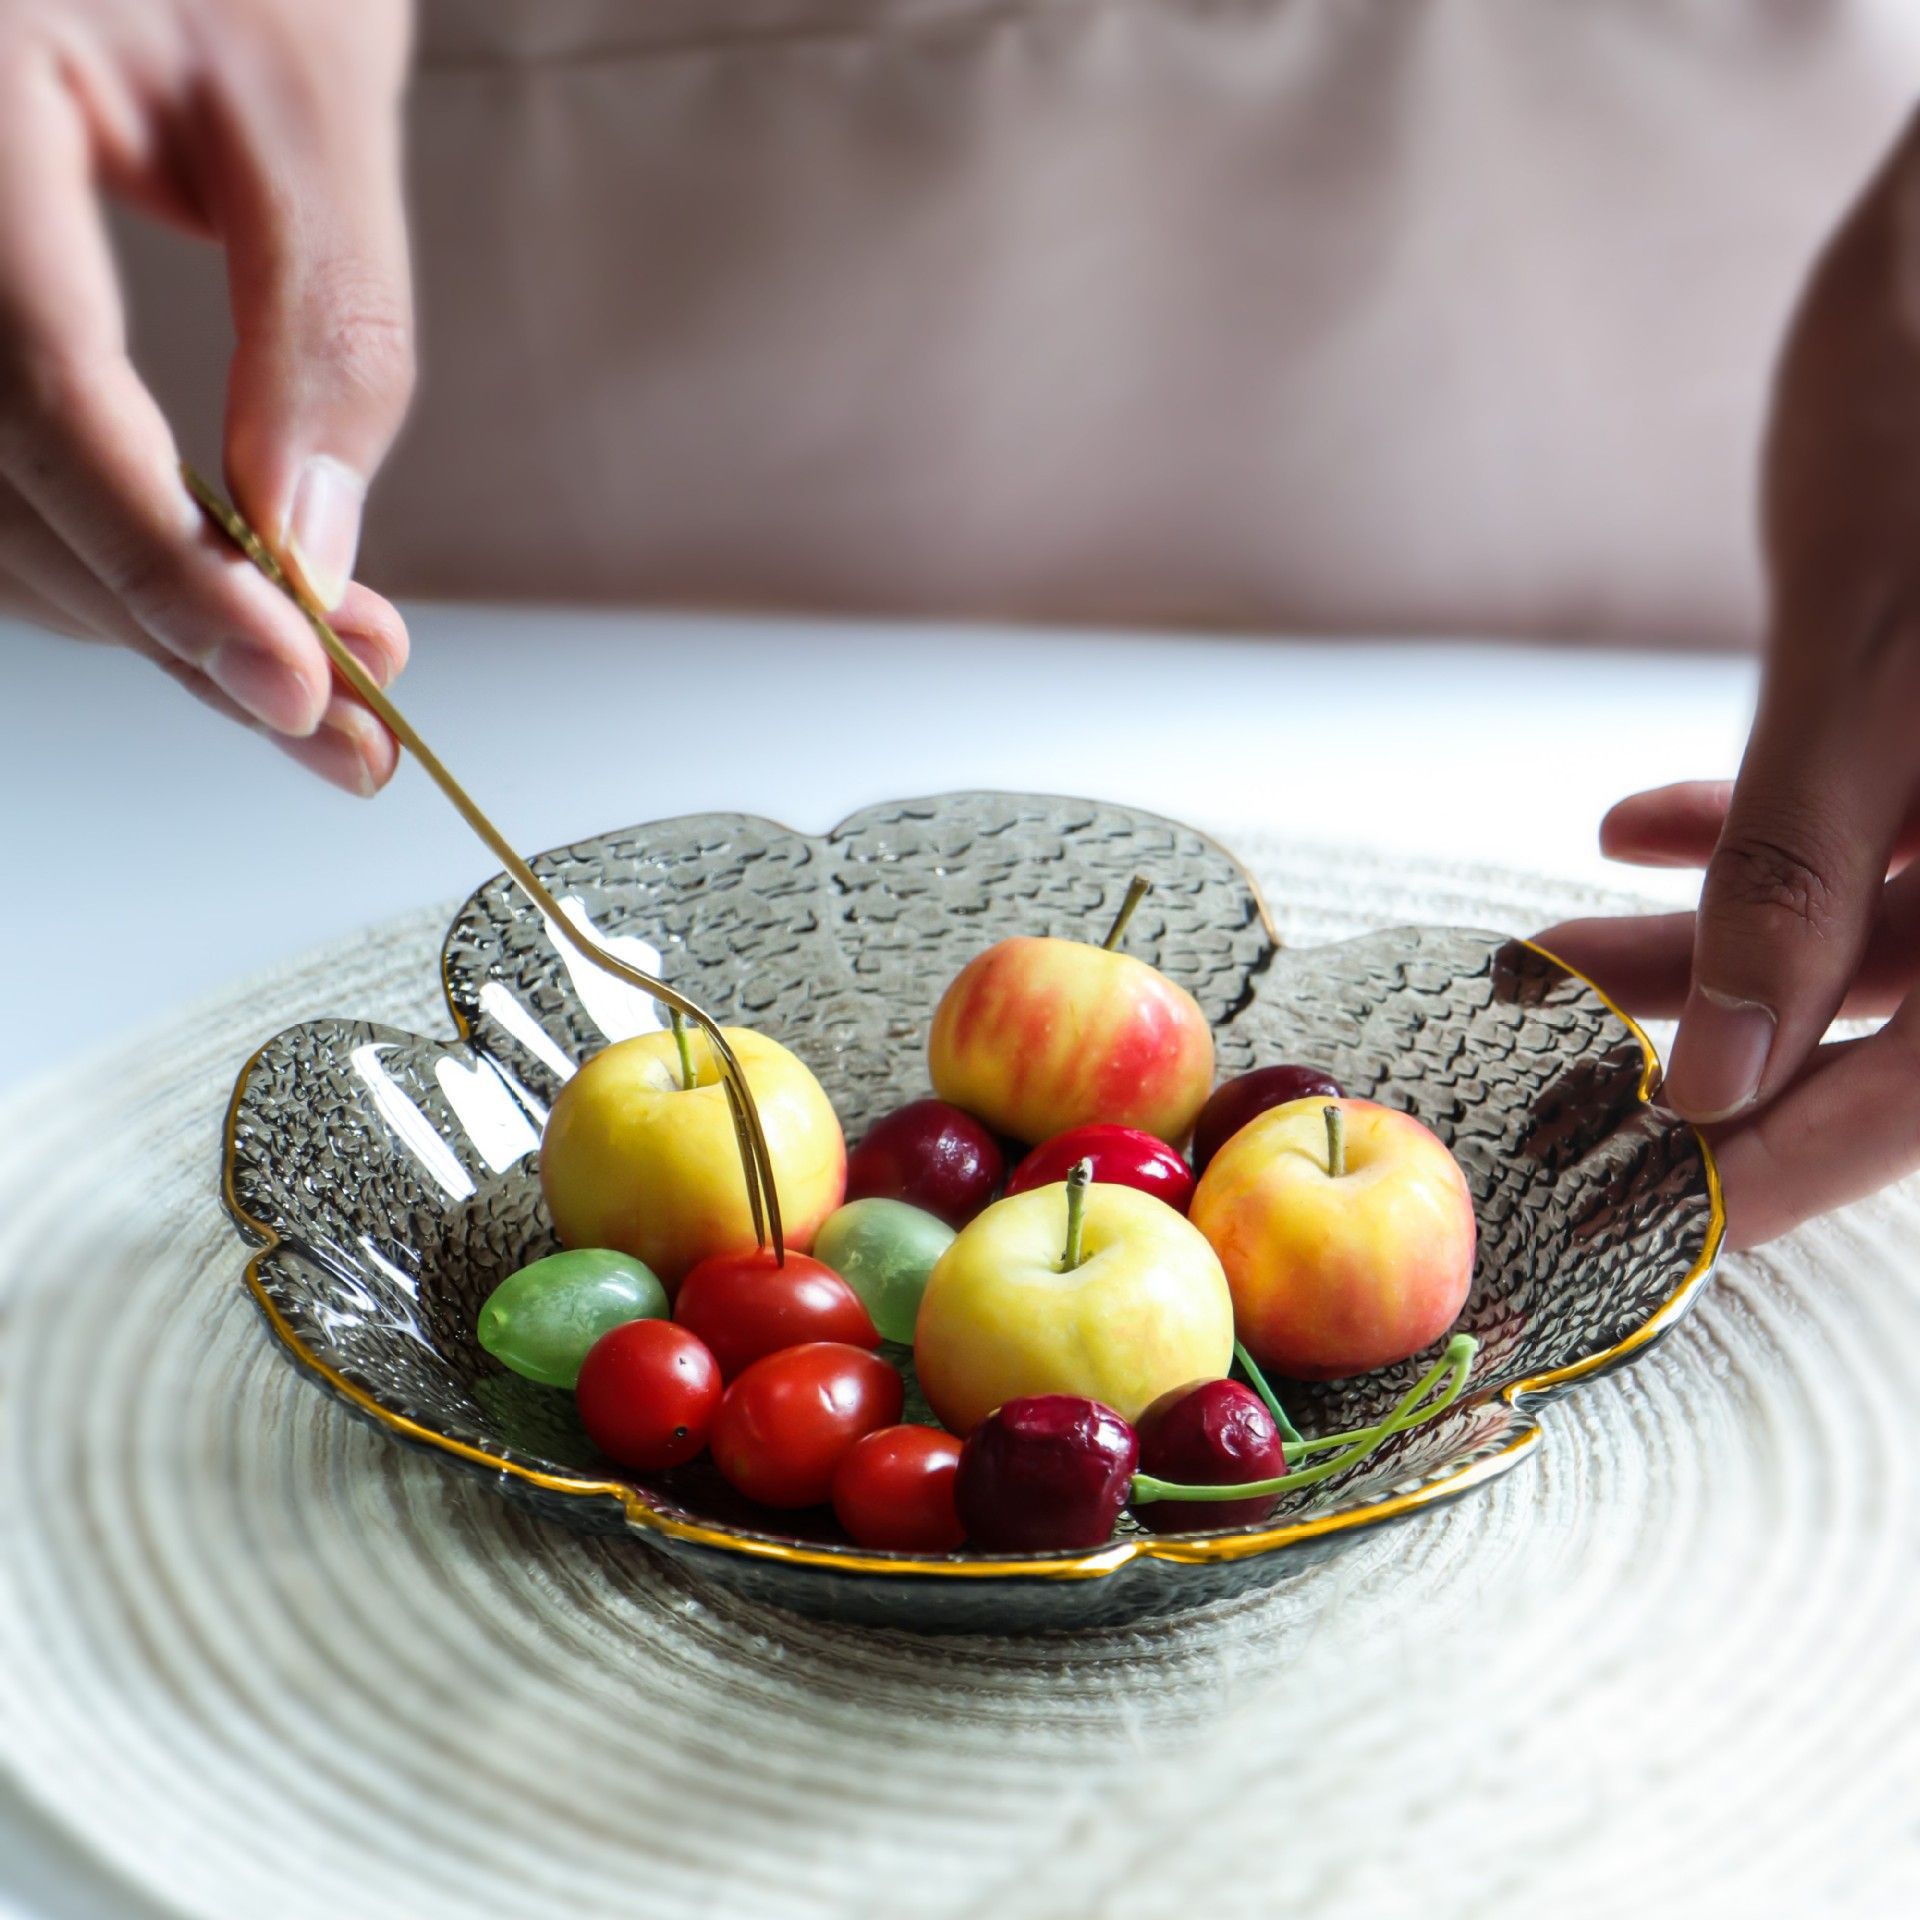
{"points": [[315, 227], [1789, 901]]}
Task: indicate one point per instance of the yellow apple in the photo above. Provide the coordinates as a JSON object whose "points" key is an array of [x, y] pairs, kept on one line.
{"points": [[1145, 1308], [1348, 1244], [1037, 1035], [635, 1159]]}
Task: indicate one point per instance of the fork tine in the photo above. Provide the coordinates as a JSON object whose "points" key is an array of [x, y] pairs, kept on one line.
{"points": [[760, 1152], [748, 1160]]}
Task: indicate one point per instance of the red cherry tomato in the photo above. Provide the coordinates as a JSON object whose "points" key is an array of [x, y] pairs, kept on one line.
{"points": [[745, 1307], [1121, 1156], [785, 1423], [894, 1489], [648, 1393]]}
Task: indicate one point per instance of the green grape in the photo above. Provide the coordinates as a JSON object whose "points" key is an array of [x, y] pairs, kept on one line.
{"points": [[542, 1320], [884, 1250]]}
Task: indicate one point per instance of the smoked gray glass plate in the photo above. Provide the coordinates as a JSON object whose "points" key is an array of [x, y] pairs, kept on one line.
{"points": [[389, 1180]]}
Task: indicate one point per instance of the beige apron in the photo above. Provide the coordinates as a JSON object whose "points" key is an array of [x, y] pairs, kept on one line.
{"points": [[1429, 315]]}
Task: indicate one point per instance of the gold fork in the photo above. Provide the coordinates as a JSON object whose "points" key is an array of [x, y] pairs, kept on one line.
{"points": [[755, 1162]]}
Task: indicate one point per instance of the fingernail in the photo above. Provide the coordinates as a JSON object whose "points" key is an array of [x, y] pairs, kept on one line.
{"points": [[275, 696], [363, 733], [323, 527], [376, 660], [1719, 1055]]}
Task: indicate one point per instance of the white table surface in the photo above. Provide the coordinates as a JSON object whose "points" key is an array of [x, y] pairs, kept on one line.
{"points": [[178, 855]]}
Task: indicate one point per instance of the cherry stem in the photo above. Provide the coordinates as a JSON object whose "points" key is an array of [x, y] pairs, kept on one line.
{"points": [[1136, 892], [1336, 1118], [1459, 1354], [1289, 1433], [1078, 1180], [688, 1078], [1454, 1365]]}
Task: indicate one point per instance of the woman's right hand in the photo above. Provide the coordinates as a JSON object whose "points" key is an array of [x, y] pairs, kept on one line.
{"points": [[272, 127]]}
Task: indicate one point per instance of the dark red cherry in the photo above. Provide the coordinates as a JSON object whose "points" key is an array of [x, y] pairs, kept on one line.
{"points": [[1121, 1156], [1214, 1435], [1045, 1473], [1235, 1102], [932, 1156]]}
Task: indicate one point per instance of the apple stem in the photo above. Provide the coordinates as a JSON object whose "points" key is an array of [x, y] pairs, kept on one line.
{"points": [[1289, 1433], [688, 1078], [1336, 1141], [1136, 892], [1078, 1180], [1454, 1365]]}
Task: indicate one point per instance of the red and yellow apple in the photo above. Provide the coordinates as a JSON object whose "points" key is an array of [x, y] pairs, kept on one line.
{"points": [[636, 1159], [1037, 1035], [1348, 1244], [1008, 1313]]}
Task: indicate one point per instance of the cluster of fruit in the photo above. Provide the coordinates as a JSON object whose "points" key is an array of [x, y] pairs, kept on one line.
{"points": [[1073, 1324]]}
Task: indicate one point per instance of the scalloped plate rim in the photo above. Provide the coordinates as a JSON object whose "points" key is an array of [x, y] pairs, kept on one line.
{"points": [[644, 1518]]}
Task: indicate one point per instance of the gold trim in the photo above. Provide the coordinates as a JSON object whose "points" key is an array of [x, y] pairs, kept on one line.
{"points": [[1677, 1302], [1107, 1560]]}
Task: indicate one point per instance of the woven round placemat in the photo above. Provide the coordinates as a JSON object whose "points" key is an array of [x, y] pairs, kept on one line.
{"points": [[268, 1663]]}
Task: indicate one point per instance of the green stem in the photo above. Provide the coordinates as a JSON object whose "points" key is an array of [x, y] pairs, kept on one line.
{"points": [[1136, 892], [1336, 1118], [1457, 1358], [688, 1078], [1455, 1363], [1078, 1180], [1289, 1433]]}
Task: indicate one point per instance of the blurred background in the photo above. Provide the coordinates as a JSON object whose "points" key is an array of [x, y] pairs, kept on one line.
{"points": [[1188, 336]]}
